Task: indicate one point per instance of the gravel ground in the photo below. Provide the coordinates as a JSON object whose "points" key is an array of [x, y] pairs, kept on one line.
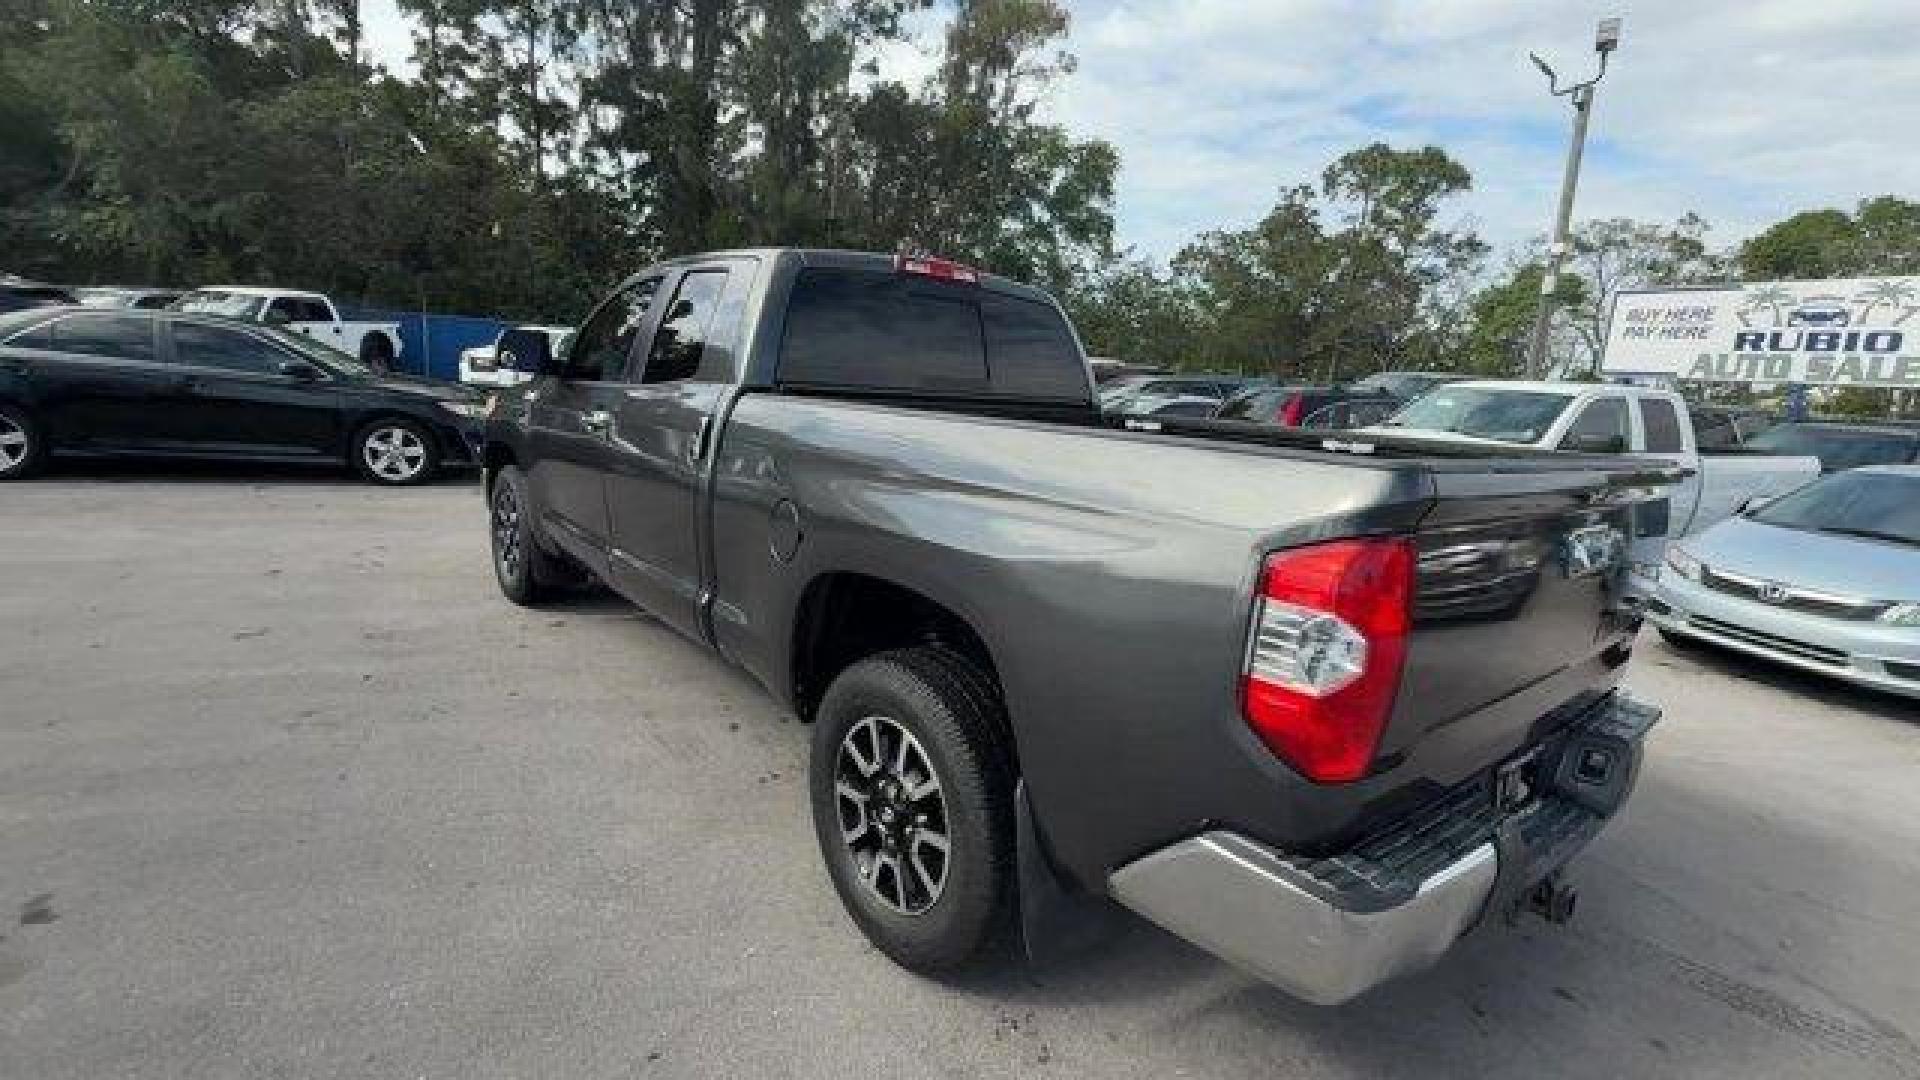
{"points": [[287, 790]]}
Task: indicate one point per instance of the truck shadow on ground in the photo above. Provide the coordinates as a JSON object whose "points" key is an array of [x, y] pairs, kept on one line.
{"points": [[291, 474]]}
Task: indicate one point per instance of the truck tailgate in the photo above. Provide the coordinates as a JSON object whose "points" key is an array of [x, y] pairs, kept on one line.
{"points": [[1519, 619]]}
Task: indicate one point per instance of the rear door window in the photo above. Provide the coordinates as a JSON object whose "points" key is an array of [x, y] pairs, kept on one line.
{"points": [[229, 350], [1662, 422], [121, 337], [680, 344]]}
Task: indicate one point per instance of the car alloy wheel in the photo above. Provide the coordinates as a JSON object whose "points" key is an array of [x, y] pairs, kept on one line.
{"points": [[15, 444], [394, 453], [892, 814], [506, 531]]}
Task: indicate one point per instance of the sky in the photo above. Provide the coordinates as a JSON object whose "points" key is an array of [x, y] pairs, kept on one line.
{"points": [[1743, 111]]}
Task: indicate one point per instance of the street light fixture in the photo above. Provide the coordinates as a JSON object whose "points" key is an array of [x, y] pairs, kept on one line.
{"points": [[1606, 39]]}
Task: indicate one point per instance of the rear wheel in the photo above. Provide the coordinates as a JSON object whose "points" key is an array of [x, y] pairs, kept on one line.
{"points": [[528, 575], [22, 447], [912, 794], [395, 451]]}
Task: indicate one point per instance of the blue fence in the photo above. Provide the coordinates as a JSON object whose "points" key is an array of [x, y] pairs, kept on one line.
{"points": [[430, 344]]}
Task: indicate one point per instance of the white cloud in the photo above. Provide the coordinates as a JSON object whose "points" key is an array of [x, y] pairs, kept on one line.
{"points": [[1741, 110]]}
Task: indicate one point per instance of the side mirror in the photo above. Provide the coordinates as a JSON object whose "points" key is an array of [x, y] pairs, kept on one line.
{"points": [[297, 369], [276, 317], [526, 350]]}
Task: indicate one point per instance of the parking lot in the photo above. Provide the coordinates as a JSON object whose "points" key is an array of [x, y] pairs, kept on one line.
{"points": [[287, 789]]}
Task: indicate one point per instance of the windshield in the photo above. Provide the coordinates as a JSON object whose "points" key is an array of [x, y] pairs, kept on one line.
{"points": [[1879, 506], [1521, 416], [215, 302], [1837, 448]]}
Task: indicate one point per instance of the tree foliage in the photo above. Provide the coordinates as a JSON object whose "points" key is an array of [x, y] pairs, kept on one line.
{"points": [[543, 149]]}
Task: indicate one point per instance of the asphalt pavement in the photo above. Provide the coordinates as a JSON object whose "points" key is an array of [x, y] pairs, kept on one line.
{"points": [[287, 790]]}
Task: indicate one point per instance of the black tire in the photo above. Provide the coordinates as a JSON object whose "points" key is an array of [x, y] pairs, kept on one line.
{"points": [[394, 451], [23, 447], [953, 712], [377, 352], [530, 576]]}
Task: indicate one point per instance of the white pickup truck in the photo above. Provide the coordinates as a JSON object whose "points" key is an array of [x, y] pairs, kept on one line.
{"points": [[376, 344], [1607, 419]]}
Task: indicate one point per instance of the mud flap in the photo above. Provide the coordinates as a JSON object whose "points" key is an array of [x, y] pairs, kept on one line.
{"points": [[1056, 923]]}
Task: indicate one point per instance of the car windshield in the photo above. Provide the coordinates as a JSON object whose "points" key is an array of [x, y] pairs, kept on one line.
{"points": [[1485, 412], [1837, 448], [215, 302], [1874, 505]]}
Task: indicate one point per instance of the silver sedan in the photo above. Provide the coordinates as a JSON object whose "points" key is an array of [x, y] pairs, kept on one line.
{"points": [[1826, 579]]}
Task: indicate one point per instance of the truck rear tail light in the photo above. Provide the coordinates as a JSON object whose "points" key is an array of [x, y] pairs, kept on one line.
{"points": [[1289, 415], [944, 269], [1329, 640]]}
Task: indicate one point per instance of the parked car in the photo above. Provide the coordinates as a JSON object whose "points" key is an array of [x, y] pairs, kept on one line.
{"points": [[377, 344], [1310, 406], [126, 382], [1608, 419], [124, 297], [1825, 579], [486, 365], [1143, 394], [19, 294], [1841, 446], [1405, 385], [902, 512]]}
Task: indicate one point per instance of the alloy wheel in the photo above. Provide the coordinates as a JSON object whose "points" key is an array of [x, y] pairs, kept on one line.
{"points": [[394, 453], [892, 814], [14, 445]]}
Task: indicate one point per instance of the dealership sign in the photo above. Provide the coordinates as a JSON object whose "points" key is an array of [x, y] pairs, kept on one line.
{"points": [[1850, 332]]}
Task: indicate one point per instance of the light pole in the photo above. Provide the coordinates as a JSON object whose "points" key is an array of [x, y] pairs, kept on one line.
{"points": [[1606, 39]]}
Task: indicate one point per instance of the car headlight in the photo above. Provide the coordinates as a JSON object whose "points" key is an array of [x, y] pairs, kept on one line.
{"points": [[1683, 563], [1902, 615], [468, 409]]}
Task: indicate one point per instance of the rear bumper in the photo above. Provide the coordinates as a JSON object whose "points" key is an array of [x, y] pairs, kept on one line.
{"points": [[1328, 929]]}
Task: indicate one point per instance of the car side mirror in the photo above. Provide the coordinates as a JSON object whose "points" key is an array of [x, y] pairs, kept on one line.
{"points": [[526, 350], [298, 369], [1594, 444], [276, 317]]}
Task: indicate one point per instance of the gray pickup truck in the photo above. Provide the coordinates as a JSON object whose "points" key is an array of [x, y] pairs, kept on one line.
{"points": [[1318, 707]]}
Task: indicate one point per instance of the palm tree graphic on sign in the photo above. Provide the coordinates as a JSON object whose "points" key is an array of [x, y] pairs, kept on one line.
{"points": [[1880, 294], [1772, 298]]}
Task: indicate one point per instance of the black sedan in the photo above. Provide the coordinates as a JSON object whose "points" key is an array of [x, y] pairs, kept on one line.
{"points": [[97, 382]]}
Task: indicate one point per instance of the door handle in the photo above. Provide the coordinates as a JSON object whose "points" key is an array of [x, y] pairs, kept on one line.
{"points": [[596, 420]]}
